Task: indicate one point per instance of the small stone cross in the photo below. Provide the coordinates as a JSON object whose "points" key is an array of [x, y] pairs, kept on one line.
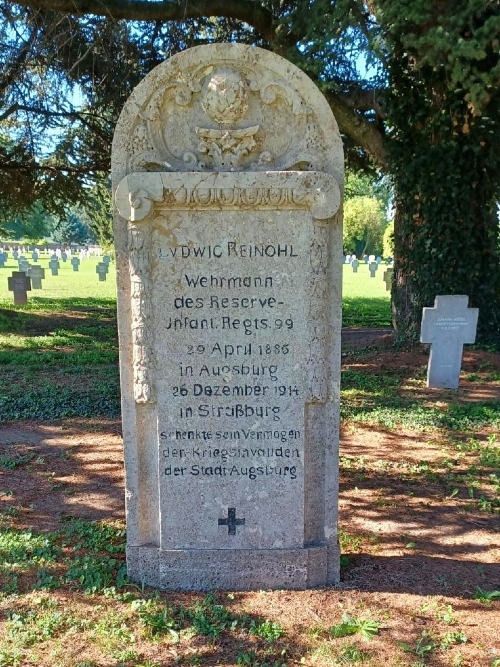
{"points": [[354, 265], [20, 284], [447, 327], [37, 274], [388, 279], [373, 266], [3, 257], [54, 266], [75, 262], [102, 270], [231, 522], [106, 259]]}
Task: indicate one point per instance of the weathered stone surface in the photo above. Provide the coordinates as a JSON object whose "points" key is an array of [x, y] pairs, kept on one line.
{"points": [[447, 327], [19, 283], [228, 175]]}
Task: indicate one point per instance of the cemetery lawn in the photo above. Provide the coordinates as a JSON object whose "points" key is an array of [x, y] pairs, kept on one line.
{"points": [[419, 512]]}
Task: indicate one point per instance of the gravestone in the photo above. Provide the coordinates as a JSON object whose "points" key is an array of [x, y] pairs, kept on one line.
{"points": [[64, 256], [34, 255], [54, 265], [106, 259], [102, 270], [372, 267], [388, 279], [37, 274], [20, 284], [24, 265], [15, 254], [3, 259], [447, 327], [75, 261], [379, 260], [354, 265], [227, 175]]}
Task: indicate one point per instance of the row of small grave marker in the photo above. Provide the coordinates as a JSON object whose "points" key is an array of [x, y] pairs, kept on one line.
{"points": [[30, 277]]}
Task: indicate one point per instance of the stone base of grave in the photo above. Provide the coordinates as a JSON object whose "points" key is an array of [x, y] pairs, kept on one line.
{"points": [[234, 570]]}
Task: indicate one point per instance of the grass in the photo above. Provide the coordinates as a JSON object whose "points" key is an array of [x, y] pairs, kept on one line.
{"points": [[59, 353], [64, 596]]}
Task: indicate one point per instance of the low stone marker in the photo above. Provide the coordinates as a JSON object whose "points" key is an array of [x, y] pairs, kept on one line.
{"points": [[37, 274], [102, 270], [54, 265], [447, 327], [372, 267], [106, 259], [388, 279], [354, 265], [34, 255], [23, 263], [20, 284], [3, 259], [64, 256], [15, 254], [229, 288], [75, 262]]}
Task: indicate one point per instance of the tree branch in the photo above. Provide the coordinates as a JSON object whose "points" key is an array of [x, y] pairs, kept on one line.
{"points": [[359, 129], [74, 115], [249, 11]]}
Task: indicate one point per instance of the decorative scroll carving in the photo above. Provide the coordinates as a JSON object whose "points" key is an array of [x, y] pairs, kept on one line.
{"points": [[213, 118], [141, 314], [316, 365], [138, 195]]}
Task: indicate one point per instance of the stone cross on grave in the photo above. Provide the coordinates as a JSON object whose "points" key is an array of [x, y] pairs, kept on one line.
{"points": [[354, 265], [75, 262], [37, 274], [54, 265], [447, 327], [19, 283], [388, 279], [102, 270], [231, 522], [373, 266], [3, 258]]}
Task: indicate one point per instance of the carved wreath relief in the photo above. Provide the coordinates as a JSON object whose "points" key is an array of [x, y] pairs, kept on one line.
{"points": [[223, 119]]}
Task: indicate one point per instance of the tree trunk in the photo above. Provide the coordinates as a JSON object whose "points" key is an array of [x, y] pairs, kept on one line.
{"points": [[446, 233]]}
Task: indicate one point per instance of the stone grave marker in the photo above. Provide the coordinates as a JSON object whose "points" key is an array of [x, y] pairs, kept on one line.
{"points": [[24, 265], [102, 270], [34, 255], [354, 265], [447, 326], [379, 260], [37, 274], [229, 290], [75, 262], [15, 254], [20, 284], [64, 256], [372, 267], [54, 265], [3, 259], [106, 259], [388, 279]]}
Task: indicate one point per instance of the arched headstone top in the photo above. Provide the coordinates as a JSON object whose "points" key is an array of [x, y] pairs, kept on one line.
{"points": [[226, 108]]}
